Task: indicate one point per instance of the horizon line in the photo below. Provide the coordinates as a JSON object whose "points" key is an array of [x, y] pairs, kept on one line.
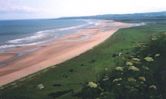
{"points": [[53, 18]]}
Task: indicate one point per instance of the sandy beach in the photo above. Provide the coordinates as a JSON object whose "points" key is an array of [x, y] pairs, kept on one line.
{"points": [[22, 61]]}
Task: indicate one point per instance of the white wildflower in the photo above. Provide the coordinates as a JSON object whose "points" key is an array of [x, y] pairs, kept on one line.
{"points": [[131, 79], [157, 55], [133, 68], [92, 84], [149, 59], [40, 86], [136, 59], [119, 68], [117, 79], [129, 63], [153, 87], [142, 78]]}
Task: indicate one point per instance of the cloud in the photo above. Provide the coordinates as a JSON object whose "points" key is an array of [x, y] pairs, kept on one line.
{"points": [[60, 8], [18, 9], [11, 7]]}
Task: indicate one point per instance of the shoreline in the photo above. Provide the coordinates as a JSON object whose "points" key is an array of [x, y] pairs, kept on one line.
{"points": [[57, 52]]}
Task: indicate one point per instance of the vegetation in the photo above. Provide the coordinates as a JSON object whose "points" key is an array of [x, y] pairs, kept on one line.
{"points": [[91, 71], [140, 76]]}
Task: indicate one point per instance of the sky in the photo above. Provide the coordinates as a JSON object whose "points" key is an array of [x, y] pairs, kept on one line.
{"points": [[28, 9]]}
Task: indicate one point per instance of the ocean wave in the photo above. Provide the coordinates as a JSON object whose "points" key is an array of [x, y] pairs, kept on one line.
{"points": [[44, 36], [35, 37], [72, 27], [88, 22], [41, 35], [18, 45], [93, 22], [139, 24]]}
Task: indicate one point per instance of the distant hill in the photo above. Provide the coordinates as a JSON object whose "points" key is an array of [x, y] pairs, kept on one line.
{"points": [[127, 17]]}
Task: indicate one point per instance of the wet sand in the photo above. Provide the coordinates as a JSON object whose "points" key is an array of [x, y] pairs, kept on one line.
{"points": [[36, 58], [6, 56]]}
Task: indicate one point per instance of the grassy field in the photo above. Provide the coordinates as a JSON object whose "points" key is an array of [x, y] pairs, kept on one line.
{"points": [[139, 74], [68, 78]]}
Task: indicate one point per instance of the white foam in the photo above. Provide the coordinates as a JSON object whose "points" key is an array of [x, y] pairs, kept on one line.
{"points": [[43, 36], [88, 22], [140, 24], [37, 36], [19, 45]]}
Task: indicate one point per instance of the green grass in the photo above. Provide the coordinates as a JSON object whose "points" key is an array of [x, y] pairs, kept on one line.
{"points": [[141, 75], [72, 74]]}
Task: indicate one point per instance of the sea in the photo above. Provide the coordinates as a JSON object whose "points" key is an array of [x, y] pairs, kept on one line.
{"points": [[17, 33]]}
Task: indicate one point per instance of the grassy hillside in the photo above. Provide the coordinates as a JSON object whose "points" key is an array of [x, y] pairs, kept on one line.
{"points": [[65, 80], [139, 75]]}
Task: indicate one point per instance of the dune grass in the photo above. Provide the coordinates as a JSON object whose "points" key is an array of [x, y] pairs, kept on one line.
{"points": [[66, 79]]}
